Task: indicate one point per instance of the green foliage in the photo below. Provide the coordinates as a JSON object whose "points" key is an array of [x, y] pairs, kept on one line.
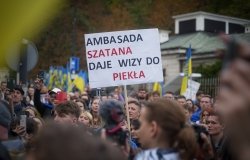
{"points": [[208, 71]]}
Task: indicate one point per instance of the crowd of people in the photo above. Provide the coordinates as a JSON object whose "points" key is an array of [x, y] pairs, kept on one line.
{"points": [[51, 124]]}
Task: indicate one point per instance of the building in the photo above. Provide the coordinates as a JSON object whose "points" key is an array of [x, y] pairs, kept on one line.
{"points": [[200, 31]]}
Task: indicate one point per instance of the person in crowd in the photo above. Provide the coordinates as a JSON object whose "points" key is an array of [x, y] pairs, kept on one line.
{"points": [[81, 104], [45, 107], [97, 121], [163, 132], [85, 97], [5, 120], [216, 132], [134, 108], [86, 118], [30, 94], [113, 117], [191, 105], [205, 102], [181, 100], [153, 95], [16, 102], [65, 142], [142, 94], [204, 116], [67, 112], [199, 95], [3, 88], [135, 125], [188, 112], [32, 112], [169, 95]]}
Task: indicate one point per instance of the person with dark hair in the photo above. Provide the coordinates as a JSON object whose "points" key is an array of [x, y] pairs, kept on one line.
{"points": [[181, 100], [16, 101], [169, 95], [94, 110], [67, 112], [164, 133], [142, 94], [135, 125], [66, 142], [216, 132], [205, 102]]}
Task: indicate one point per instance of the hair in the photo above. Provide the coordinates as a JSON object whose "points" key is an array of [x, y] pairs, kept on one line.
{"points": [[135, 123], [214, 113], [181, 97], [136, 102], [89, 115], [32, 126], [207, 96], [171, 118], [73, 141], [68, 107], [199, 93], [169, 92], [37, 114]]}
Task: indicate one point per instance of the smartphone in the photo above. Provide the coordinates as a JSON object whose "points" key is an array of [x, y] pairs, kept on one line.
{"points": [[23, 119]]}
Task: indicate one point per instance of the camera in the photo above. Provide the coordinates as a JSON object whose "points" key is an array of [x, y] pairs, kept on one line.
{"points": [[198, 130]]}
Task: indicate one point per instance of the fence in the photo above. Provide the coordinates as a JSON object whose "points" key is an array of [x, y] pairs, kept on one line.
{"points": [[209, 85]]}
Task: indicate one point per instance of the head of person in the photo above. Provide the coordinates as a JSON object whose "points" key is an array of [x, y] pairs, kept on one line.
{"points": [[86, 118], [182, 100], [169, 95], [188, 112], [162, 125], [134, 108], [95, 105], [31, 90], [206, 102], [215, 125], [5, 120], [204, 115], [17, 94], [3, 86], [53, 94], [142, 94], [199, 95], [75, 142], [32, 112], [135, 125], [190, 103], [67, 112], [81, 104]]}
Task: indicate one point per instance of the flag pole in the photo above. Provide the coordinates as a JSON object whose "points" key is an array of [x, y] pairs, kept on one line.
{"points": [[126, 106]]}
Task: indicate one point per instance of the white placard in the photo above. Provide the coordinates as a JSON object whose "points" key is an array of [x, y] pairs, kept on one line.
{"points": [[192, 89], [123, 57]]}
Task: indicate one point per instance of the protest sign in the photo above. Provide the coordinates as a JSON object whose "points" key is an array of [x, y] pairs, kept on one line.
{"points": [[192, 89], [123, 57]]}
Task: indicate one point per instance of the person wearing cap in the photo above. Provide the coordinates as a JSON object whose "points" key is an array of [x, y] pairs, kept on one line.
{"points": [[43, 108], [5, 119], [17, 100]]}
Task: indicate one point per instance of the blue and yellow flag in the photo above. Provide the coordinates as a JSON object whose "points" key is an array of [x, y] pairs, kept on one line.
{"points": [[187, 71]]}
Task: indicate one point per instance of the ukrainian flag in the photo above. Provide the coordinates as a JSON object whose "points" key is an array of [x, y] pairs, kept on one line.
{"points": [[80, 81], [187, 71]]}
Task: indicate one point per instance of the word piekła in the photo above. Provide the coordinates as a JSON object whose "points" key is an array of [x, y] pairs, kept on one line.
{"points": [[128, 75], [113, 39]]}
